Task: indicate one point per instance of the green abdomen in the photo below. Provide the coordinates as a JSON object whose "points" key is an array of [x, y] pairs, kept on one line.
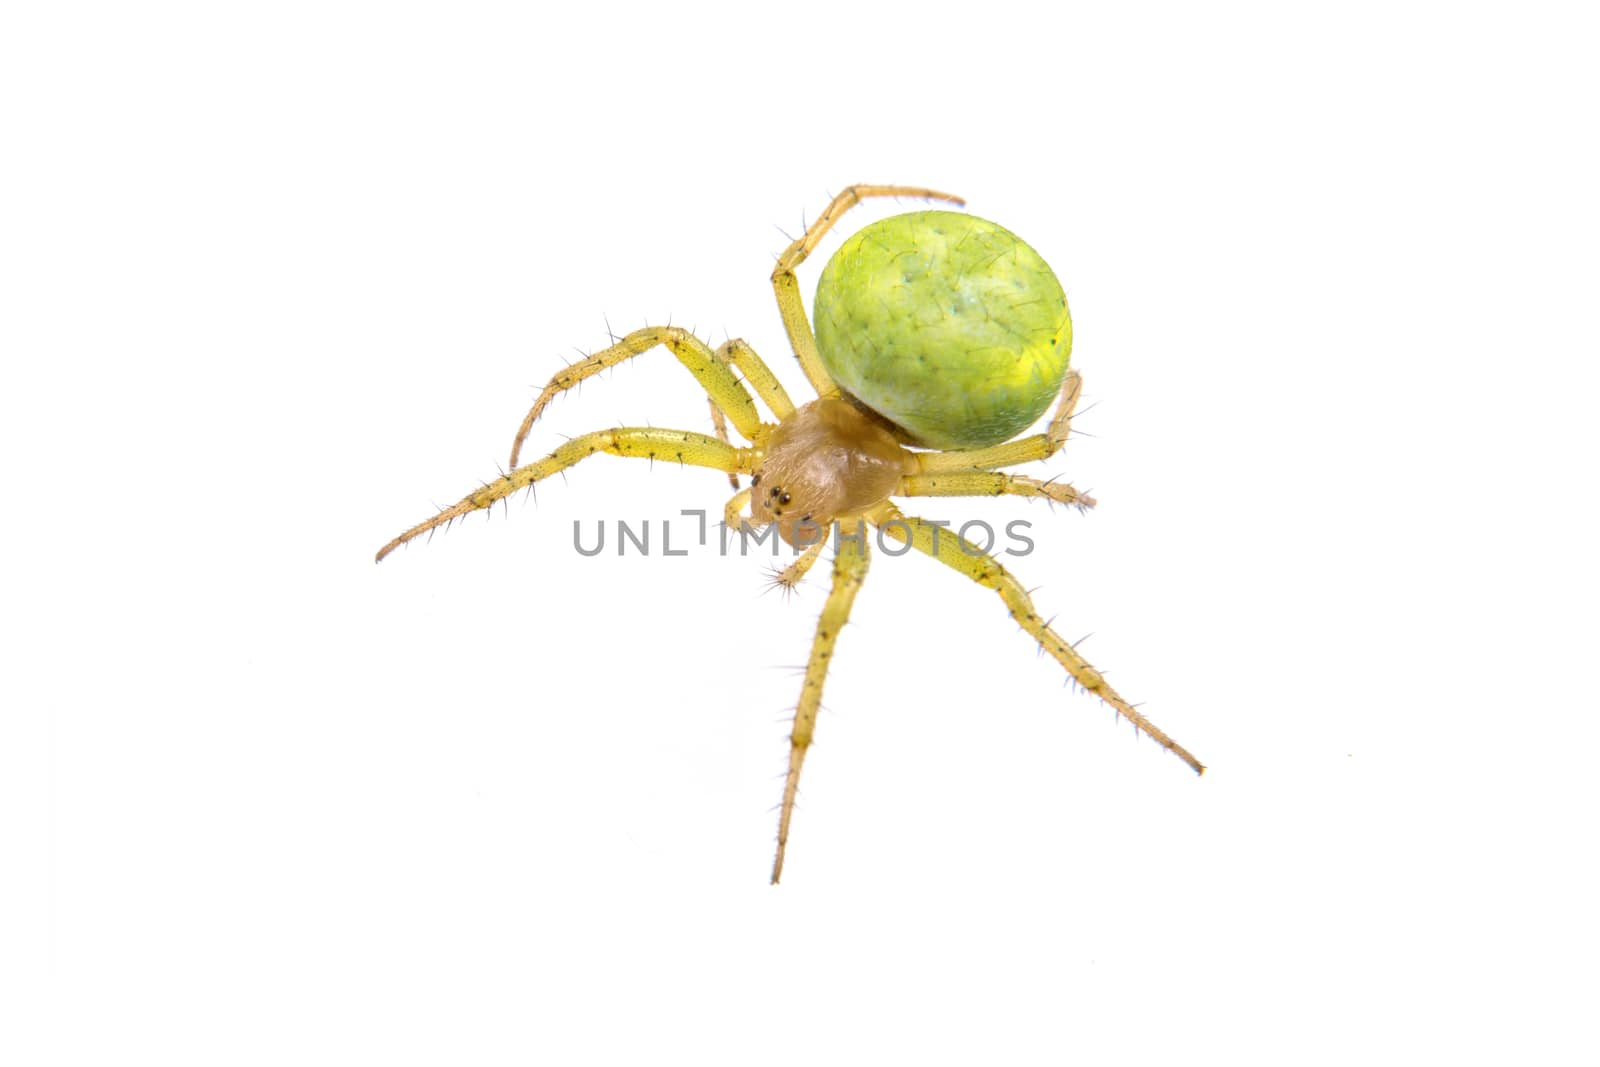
{"points": [[949, 326]]}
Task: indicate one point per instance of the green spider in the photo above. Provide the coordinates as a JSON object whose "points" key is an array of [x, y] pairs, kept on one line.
{"points": [[939, 338]]}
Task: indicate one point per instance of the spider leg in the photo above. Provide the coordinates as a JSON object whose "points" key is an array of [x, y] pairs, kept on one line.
{"points": [[787, 286], [849, 570], [792, 575], [963, 556], [730, 511], [991, 483], [720, 424], [713, 373], [682, 446], [1023, 450], [758, 376]]}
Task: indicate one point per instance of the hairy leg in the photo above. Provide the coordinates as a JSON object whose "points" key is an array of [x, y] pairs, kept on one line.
{"points": [[788, 577], [787, 286], [991, 483], [714, 374], [758, 376], [720, 425], [731, 510], [679, 446], [960, 555], [849, 570]]}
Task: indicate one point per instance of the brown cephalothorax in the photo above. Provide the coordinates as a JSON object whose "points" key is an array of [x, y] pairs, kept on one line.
{"points": [[825, 461]]}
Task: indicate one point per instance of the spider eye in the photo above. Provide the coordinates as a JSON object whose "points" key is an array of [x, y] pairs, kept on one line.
{"points": [[783, 498]]}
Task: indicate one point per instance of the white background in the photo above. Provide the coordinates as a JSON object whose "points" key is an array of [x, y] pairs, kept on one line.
{"points": [[277, 280]]}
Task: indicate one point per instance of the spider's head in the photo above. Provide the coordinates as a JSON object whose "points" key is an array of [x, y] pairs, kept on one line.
{"points": [[801, 506], [826, 460]]}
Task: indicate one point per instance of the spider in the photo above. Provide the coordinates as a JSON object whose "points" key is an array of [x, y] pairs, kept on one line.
{"points": [[940, 337]]}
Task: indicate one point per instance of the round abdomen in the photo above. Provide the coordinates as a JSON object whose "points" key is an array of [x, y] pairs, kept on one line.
{"points": [[949, 326]]}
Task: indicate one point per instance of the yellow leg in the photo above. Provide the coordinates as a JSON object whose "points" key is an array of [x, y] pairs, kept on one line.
{"points": [[991, 483], [731, 512], [758, 376], [674, 446], [849, 570], [1039, 446], [713, 374], [792, 575], [787, 286], [720, 425], [959, 555]]}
